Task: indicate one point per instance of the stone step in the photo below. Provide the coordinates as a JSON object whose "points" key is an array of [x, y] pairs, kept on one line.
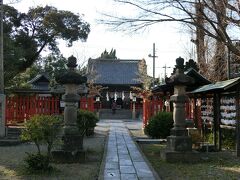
{"points": [[14, 132], [119, 114], [10, 142], [150, 141]]}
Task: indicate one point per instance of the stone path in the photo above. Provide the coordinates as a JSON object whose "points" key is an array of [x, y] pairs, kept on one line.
{"points": [[123, 159]]}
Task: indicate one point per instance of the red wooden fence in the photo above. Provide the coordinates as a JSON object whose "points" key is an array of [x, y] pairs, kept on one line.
{"points": [[151, 107], [87, 103], [20, 109]]}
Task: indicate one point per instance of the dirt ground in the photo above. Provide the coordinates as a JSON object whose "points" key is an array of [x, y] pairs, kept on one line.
{"points": [[11, 160]]}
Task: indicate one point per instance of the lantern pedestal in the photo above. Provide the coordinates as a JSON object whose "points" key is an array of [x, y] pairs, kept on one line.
{"points": [[72, 148], [179, 144]]}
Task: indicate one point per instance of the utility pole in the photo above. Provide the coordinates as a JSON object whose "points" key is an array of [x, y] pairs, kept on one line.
{"points": [[1, 50], [2, 95], [153, 56], [165, 70]]}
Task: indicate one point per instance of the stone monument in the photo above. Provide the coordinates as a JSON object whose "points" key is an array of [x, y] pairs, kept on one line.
{"points": [[179, 144], [72, 148]]}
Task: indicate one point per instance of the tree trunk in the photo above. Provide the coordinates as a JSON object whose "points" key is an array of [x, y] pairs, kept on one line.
{"points": [[200, 35], [220, 58]]}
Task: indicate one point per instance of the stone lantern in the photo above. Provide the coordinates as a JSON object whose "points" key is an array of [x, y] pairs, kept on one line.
{"points": [[72, 147], [179, 144]]}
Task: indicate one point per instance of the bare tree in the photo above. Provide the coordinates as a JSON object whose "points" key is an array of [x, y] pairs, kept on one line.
{"points": [[200, 37], [217, 19], [93, 89], [144, 79]]}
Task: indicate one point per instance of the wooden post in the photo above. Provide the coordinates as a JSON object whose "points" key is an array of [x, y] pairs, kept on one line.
{"points": [[216, 118], [237, 124], [144, 112], [220, 129]]}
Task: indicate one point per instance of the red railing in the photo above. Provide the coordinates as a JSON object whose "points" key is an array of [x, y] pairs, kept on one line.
{"points": [[20, 109], [151, 107], [87, 103], [138, 106]]}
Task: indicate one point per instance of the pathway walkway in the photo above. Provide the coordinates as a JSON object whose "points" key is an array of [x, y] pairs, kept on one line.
{"points": [[123, 159]]}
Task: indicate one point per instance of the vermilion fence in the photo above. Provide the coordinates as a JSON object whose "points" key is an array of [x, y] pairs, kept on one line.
{"points": [[151, 107], [87, 103], [20, 109]]}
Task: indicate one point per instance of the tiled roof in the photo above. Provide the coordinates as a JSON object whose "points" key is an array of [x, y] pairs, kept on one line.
{"points": [[41, 82], [200, 80], [115, 72], [40, 77], [221, 85]]}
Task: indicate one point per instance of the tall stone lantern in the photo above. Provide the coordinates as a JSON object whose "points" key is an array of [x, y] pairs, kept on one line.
{"points": [[72, 147], [179, 144]]}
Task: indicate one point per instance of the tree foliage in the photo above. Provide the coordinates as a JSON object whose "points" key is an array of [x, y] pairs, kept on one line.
{"points": [[108, 55], [189, 64], [26, 35], [52, 65], [42, 129]]}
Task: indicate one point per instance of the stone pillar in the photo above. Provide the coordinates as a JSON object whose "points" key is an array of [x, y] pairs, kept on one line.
{"points": [[2, 115], [72, 148], [71, 99], [179, 144], [179, 139]]}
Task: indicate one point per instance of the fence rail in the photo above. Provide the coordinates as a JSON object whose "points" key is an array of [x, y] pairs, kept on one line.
{"points": [[20, 109], [152, 107]]}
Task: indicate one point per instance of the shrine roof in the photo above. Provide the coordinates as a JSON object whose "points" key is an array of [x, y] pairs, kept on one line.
{"points": [[218, 86], [115, 72]]}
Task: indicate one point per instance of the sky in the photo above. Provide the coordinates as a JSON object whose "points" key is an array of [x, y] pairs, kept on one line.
{"points": [[170, 41]]}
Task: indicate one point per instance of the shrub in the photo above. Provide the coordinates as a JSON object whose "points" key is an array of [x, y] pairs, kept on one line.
{"points": [[86, 120], [159, 126], [228, 139], [196, 138], [37, 162], [41, 129]]}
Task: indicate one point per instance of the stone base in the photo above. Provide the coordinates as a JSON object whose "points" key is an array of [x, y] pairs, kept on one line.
{"points": [[72, 142], [207, 148], [179, 143], [61, 156], [2, 131], [185, 157]]}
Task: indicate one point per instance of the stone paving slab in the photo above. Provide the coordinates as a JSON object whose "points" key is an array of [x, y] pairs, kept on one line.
{"points": [[129, 176], [123, 159]]}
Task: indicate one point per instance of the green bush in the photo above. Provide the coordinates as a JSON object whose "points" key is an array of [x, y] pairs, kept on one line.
{"points": [[159, 126], [86, 120], [37, 162], [41, 129], [229, 139]]}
